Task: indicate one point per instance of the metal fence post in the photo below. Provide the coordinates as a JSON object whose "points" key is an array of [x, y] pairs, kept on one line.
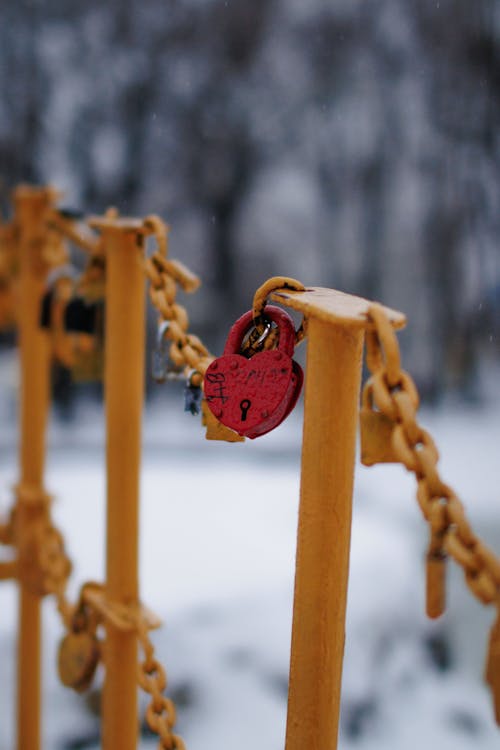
{"points": [[124, 396], [31, 205], [336, 328]]}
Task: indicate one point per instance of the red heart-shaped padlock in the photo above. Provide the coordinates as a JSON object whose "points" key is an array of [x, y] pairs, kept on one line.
{"points": [[253, 396]]}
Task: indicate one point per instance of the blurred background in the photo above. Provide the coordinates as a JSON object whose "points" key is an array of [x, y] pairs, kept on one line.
{"points": [[348, 143]]}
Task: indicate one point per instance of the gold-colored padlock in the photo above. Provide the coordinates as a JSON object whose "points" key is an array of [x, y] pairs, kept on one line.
{"points": [[376, 432], [54, 251], [60, 287], [92, 286], [216, 430], [77, 660], [88, 358], [84, 321]]}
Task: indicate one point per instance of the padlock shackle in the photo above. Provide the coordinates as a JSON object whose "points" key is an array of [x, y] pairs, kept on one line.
{"points": [[163, 327], [286, 342]]}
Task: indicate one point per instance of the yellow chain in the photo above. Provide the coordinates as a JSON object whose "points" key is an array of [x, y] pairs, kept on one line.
{"points": [[186, 351], [160, 713], [43, 564], [392, 395], [275, 284]]}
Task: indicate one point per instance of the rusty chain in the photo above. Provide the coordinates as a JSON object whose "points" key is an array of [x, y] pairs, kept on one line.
{"points": [[390, 404], [160, 713], [80, 653], [390, 395], [43, 566], [187, 351], [41, 563]]}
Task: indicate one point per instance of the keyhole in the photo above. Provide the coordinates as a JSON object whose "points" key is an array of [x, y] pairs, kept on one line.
{"points": [[244, 406]]}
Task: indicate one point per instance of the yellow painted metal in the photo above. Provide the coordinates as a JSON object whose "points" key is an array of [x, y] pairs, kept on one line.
{"points": [[121, 616], [333, 306], [31, 205], [376, 438], [124, 389], [8, 570], [336, 327]]}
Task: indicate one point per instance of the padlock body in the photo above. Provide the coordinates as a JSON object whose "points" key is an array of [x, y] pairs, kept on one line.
{"points": [[86, 321], [246, 394], [287, 405], [77, 660], [376, 438], [254, 395]]}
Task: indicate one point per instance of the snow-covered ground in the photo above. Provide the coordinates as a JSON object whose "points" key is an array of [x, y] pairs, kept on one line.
{"points": [[217, 561]]}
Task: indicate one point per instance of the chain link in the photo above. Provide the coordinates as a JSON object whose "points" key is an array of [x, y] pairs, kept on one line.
{"points": [[391, 393], [260, 300], [46, 567], [152, 678], [186, 351], [390, 390], [43, 565]]}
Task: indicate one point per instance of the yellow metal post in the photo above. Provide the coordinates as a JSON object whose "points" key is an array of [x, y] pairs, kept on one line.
{"points": [[336, 325], [31, 205], [124, 393]]}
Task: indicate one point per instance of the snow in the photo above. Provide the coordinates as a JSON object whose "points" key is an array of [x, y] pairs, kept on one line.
{"points": [[216, 561]]}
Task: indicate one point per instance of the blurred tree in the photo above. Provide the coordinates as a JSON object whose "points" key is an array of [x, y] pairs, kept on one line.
{"points": [[351, 143]]}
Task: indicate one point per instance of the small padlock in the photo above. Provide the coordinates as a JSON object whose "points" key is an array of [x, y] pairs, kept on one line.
{"points": [[375, 432], [85, 320], [254, 395], [77, 659], [159, 356], [92, 286], [60, 289], [60, 286]]}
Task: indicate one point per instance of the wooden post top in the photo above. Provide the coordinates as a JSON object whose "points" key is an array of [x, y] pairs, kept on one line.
{"points": [[35, 197], [332, 306], [122, 224]]}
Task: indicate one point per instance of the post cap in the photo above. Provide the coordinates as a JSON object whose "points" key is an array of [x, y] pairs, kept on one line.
{"points": [[332, 306], [120, 224]]}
